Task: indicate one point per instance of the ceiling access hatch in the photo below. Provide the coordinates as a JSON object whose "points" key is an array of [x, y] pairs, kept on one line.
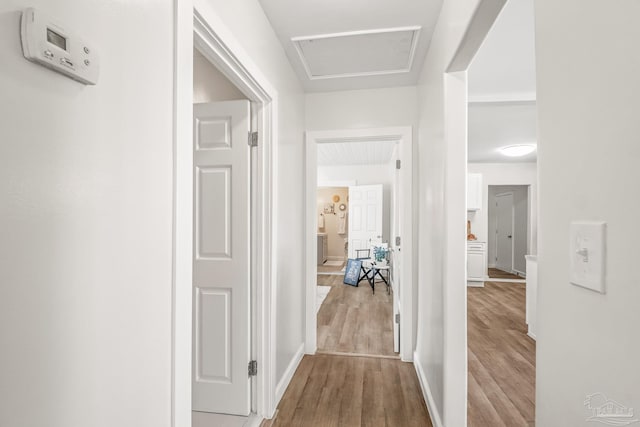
{"points": [[358, 53]]}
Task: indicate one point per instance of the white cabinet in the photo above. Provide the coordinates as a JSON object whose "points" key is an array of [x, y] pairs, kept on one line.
{"points": [[474, 191], [476, 265]]}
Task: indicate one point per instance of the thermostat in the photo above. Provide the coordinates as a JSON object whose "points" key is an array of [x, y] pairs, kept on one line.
{"points": [[52, 45]]}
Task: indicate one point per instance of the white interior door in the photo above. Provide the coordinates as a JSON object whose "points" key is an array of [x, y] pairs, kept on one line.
{"points": [[365, 216], [504, 231], [221, 265]]}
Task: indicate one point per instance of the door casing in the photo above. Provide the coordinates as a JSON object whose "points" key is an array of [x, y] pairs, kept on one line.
{"points": [[195, 26]]}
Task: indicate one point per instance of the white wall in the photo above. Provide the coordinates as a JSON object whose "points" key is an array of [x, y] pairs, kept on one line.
{"points": [[441, 335], [246, 20], [209, 84], [588, 92], [365, 175], [368, 108], [506, 174], [86, 223], [520, 233]]}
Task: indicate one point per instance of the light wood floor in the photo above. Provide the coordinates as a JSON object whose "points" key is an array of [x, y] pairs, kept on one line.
{"points": [[494, 273], [354, 320], [346, 391], [501, 357]]}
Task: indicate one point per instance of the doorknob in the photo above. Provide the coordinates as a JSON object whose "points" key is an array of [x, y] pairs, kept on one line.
{"points": [[509, 236]]}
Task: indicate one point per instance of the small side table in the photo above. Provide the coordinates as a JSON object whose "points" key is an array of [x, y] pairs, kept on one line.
{"points": [[377, 269]]}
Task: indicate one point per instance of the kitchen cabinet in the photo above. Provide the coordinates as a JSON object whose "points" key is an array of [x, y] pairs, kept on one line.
{"points": [[476, 263]]}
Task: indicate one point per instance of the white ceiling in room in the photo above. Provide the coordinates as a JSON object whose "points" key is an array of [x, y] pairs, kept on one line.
{"points": [[502, 87], [492, 126], [374, 48], [355, 153]]}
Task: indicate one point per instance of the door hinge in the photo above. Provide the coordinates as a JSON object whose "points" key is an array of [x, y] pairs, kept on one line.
{"points": [[253, 368], [398, 318], [398, 164], [397, 240], [253, 139]]}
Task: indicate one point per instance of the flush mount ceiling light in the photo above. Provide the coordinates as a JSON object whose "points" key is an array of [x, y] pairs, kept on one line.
{"points": [[517, 150]]}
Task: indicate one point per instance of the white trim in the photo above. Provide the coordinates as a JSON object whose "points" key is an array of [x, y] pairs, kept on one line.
{"points": [[288, 373], [531, 335], [412, 53], [436, 419], [520, 273], [254, 421], [195, 23], [475, 284], [405, 137], [181, 298]]}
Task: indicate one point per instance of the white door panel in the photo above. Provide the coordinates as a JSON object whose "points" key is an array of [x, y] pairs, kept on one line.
{"points": [[365, 216], [221, 265]]}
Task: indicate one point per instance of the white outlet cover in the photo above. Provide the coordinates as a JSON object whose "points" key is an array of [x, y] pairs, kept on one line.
{"points": [[587, 255]]}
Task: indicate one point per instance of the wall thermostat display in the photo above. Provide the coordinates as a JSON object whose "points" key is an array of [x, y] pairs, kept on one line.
{"points": [[48, 43]]}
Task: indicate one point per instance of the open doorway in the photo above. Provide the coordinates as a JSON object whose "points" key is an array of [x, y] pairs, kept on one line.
{"points": [[337, 331], [502, 221], [221, 391], [203, 135], [351, 220], [509, 224]]}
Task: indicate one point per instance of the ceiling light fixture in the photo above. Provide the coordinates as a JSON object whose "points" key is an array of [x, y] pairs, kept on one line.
{"points": [[518, 150]]}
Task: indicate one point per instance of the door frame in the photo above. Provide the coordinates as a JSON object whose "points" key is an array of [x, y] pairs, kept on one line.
{"points": [[495, 228], [404, 137], [194, 25]]}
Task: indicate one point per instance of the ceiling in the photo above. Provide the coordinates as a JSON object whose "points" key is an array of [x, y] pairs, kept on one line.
{"points": [[502, 87], [355, 153], [354, 44]]}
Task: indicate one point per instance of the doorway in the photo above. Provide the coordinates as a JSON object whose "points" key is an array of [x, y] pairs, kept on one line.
{"points": [[509, 226], [400, 239], [193, 30], [354, 320], [502, 135], [223, 174]]}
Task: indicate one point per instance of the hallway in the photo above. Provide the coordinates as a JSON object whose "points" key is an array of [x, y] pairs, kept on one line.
{"points": [[348, 391]]}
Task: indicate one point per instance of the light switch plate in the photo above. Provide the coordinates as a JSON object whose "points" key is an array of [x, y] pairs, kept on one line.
{"points": [[587, 254]]}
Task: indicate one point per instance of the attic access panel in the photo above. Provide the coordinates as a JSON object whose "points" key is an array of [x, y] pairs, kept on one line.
{"points": [[359, 53]]}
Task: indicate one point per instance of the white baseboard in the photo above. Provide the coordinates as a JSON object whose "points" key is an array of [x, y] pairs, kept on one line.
{"points": [[288, 374], [532, 335], [474, 284], [519, 273], [254, 421], [436, 420]]}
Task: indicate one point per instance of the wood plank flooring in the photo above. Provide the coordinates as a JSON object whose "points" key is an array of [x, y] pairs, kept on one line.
{"points": [[501, 357], [494, 273], [346, 391], [353, 320]]}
